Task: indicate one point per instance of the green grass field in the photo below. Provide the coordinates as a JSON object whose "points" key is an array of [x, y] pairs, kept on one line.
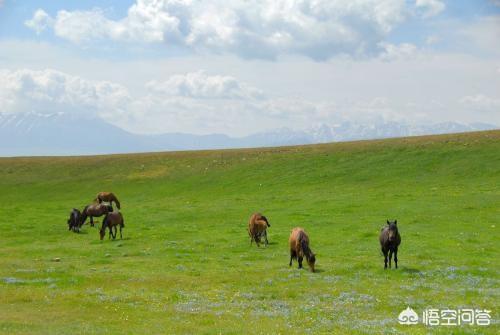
{"points": [[185, 264]]}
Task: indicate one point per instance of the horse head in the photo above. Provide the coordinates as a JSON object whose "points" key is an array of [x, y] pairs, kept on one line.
{"points": [[393, 230]]}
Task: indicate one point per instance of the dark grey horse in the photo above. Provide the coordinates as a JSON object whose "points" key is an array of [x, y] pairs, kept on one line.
{"points": [[389, 242], [74, 220]]}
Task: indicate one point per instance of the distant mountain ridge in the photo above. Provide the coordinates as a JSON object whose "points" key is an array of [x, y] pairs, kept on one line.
{"points": [[33, 134]]}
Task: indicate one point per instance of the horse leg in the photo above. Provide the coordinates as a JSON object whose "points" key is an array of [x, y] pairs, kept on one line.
{"points": [[300, 258], [396, 257], [390, 257], [292, 256], [265, 238], [114, 236], [92, 221], [385, 258]]}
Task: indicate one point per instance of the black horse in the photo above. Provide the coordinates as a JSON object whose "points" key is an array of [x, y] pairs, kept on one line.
{"points": [[74, 221], [389, 242]]}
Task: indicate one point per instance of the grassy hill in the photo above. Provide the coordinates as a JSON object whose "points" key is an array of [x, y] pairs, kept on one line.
{"points": [[185, 264]]}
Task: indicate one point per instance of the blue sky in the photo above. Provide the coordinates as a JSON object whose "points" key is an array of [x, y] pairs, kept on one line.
{"points": [[229, 67]]}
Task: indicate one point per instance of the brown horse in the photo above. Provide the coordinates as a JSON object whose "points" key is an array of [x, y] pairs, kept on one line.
{"points": [[107, 197], [389, 242], [257, 228], [299, 247], [94, 210], [111, 220]]}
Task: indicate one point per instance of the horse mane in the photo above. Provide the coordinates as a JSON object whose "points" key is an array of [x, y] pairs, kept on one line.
{"points": [[305, 248]]}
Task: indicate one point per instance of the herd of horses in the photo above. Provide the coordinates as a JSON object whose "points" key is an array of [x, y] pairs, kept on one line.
{"points": [[102, 205], [389, 237]]}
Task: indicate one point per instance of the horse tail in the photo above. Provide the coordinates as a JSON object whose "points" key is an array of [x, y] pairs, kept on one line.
{"points": [[105, 221], [117, 202]]}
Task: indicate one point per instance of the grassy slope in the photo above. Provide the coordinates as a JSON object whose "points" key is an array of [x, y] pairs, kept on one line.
{"points": [[185, 265]]}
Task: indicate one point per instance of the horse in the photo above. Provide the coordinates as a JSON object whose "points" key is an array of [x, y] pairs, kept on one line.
{"points": [[299, 247], [74, 220], [111, 220], [107, 197], [257, 228], [94, 210], [389, 242]]}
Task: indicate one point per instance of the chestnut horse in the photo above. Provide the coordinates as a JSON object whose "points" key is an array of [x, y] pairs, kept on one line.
{"points": [[107, 197], [257, 228], [299, 247]]}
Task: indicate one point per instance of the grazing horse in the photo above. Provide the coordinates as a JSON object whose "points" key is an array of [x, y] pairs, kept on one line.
{"points": [[74, 220], [299, 247], [389, 242], [111, 220], [107, 197], [94, 210], [257, 228]]}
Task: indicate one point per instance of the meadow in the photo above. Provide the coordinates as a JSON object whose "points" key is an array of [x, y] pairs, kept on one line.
{"points": [[185, 264]]}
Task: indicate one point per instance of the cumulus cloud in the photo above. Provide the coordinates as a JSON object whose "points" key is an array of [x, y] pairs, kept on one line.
{"points": [[318, 29], [49, 91], [429, 8], [184, 102], [40, 21], [200, 85]]}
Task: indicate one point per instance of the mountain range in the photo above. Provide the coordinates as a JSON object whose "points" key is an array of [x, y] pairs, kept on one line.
{"points": [[32, 134]]}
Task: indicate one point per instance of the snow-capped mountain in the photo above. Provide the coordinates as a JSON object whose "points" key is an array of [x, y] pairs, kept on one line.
{"points": [[67, 134]]}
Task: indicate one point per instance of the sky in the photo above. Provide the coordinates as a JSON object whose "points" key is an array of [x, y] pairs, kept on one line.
{"points": [[240, 67]]}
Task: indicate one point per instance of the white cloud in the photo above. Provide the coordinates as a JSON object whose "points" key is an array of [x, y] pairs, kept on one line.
{"points": [[430, 8], [481, 103], [423, 89], [40, 21], [318, 29], [200, 85], [397, 52], [49, 91]]}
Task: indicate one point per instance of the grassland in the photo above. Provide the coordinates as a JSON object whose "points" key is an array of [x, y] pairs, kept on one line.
{"points": [[185, 264]]}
